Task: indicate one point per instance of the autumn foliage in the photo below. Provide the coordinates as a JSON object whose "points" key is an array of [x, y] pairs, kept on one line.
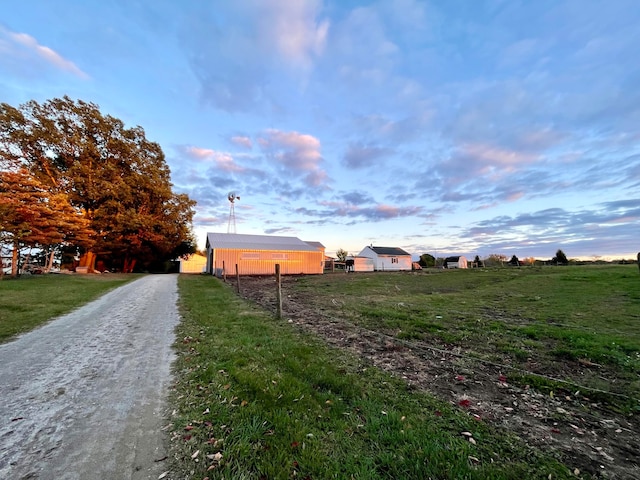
{"points": [[73, 178]]}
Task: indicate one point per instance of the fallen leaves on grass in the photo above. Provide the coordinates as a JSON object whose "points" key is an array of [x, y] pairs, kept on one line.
{"points": [[469, 437]]}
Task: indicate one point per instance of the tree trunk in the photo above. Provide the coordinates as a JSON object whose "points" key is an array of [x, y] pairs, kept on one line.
{"points": [[14, 261], [88, 260], [129, 264], [49, 266]]}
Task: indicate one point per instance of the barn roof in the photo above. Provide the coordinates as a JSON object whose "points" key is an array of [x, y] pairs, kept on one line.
{"points": [[239, 241], [318, 245], [389, 251]]}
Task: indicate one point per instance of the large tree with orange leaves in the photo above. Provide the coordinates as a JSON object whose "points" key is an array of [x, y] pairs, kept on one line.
{"points": [[112, 176], [33, 216]]}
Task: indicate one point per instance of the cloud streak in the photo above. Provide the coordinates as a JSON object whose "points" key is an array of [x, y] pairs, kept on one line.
{"points": [[24, 47]]}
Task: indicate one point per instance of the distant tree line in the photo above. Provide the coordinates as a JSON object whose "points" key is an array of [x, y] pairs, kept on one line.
{"points": [[495, 259], [76, 182]]}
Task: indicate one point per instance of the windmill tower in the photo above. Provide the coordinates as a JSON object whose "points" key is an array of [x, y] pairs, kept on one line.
{"points": [[232, 212]]}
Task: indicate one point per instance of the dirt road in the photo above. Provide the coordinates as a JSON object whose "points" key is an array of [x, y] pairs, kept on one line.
{"points": [[84, 396]]}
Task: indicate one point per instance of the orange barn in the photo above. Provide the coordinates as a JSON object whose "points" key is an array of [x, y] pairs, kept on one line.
{"points": [[259, 254]]}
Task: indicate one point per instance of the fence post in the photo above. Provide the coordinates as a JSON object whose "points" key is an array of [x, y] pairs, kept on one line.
{"points": [[237, 279], [278, 292], [224, 273]]}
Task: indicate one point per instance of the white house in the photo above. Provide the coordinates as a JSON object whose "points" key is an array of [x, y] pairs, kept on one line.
{"points": [[455, 262], [387, 258]]}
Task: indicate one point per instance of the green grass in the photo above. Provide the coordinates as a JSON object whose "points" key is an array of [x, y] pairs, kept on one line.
{"points": [[255, 398], [555, 316], [30, 301]]}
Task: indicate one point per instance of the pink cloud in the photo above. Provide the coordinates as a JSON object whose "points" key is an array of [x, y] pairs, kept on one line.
{"points": [[293, 30], [297, 152], [496, 156], [30, 46], [222, 160], [242, 141]]}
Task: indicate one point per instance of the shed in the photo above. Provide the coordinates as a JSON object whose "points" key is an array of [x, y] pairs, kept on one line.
{"points": [[361, 264], [258, 255], [194, 264], [387, 258], [455, 262]]}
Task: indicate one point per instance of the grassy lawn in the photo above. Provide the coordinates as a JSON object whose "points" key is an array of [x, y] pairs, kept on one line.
{"points": [[554, 320], [30, 301], [255, 398]]}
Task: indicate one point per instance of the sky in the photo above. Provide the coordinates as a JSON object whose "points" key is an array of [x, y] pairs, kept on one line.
{"points": [[449, 127]]}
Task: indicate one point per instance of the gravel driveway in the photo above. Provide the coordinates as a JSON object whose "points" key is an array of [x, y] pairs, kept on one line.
{"points": [[83, 397]]}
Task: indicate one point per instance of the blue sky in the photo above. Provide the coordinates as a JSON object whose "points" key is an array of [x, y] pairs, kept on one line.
{"points": [[470, 127]]}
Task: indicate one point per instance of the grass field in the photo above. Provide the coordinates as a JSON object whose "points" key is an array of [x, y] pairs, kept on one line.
{"points": [[256, 398], [550, 319], [32, 300]]}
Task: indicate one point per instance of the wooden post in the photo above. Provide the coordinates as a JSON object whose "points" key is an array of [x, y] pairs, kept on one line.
{"points": [[278, 292], [237, 279], [224, 273]]}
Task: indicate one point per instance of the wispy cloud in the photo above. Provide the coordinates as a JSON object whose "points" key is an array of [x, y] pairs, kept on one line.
{"points": [[360, 156], [294, 30], [221, 160], [298, 153], [609, 223], [242, 141], [24, 47], [237, 49], [349, 212]]}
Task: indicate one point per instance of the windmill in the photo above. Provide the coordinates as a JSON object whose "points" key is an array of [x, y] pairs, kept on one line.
{"points": [[232, 197]]}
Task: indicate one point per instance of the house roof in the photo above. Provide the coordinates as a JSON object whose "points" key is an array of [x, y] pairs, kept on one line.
{"points": [[239, 241], [389, 251]]}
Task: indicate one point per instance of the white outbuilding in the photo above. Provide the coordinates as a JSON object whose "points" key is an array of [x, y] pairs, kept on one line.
{"points": [[359, 264], [455, 262], [193, 264], [387, 258]]}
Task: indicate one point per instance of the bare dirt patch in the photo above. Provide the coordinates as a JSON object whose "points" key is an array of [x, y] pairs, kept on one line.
{"points": [[587, 436]]}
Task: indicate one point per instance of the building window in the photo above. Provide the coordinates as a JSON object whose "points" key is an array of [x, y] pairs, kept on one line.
{"points": [[250, 256], [278, 256], [394, 260]]}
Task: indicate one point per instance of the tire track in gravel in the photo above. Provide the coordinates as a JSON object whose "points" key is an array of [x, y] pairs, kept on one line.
{"points": [[83, 397]]}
